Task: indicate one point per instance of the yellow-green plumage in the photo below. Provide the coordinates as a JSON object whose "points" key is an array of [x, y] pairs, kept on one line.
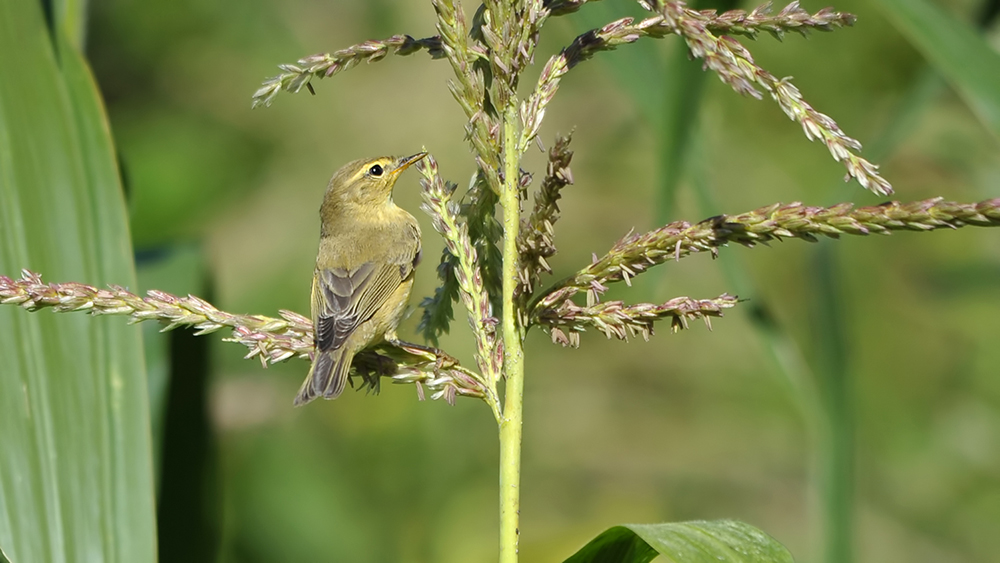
{"points": [[368, 249]]}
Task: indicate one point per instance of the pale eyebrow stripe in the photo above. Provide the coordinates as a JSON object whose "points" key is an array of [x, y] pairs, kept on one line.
{"points": [[384, 162], [363, 170]]}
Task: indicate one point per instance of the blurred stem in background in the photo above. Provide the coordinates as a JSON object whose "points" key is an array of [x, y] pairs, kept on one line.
{"points": [[684, 85], [836, 439], [184, 442]]}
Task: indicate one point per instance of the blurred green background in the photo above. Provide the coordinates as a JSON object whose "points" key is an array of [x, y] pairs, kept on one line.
{"points": [[224, 200]]}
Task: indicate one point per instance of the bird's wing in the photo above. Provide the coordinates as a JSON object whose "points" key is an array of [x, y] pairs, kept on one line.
{"points": [[343, 299]]}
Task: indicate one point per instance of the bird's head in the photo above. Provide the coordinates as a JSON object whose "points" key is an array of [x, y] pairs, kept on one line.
{"points": [[367, 181]]}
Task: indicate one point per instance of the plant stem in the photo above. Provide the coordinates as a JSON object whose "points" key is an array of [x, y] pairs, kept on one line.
{"points": [[510, 426], [837, 442]]}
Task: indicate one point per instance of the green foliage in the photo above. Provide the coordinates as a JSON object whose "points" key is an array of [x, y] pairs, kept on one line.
{"points": [[956, 50], [75, 474], [719, 541], [615, 545], [71, 20]]}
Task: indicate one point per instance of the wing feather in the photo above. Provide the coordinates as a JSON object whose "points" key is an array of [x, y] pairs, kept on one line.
{"points": [[352, 297]]}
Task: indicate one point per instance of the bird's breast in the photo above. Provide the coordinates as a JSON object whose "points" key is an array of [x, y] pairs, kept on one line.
{"points": [[387, 235]]}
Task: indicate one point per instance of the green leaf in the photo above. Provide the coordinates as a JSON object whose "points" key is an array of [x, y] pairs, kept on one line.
{"points": [[954, 49], [718, 541], [75, 471], [71, 17], [615, 545]]}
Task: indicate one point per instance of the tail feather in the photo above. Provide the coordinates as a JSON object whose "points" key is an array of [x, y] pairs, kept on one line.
{"points": [[327, 377]]}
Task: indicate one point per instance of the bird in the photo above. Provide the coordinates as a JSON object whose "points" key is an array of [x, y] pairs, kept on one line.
{"points": [[369, 249]]}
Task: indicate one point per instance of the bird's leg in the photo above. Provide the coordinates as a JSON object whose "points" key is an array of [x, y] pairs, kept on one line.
{"points": [[371, 366]]}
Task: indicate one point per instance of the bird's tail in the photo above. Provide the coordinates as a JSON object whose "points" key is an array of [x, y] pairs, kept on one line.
{"points": [[327, 377]]}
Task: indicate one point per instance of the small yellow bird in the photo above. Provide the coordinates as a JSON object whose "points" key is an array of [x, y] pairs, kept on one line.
{"points": [[368, 250]]}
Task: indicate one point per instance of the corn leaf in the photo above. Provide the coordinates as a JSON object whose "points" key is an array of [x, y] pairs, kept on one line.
{"points": [[76, 479], [719, 541]]}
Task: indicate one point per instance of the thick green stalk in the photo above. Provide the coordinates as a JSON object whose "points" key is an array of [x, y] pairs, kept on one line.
{"points": [[510, 426]]}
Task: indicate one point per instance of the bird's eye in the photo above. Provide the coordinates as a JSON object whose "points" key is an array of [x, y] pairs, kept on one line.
{"points": [[375, 170]]}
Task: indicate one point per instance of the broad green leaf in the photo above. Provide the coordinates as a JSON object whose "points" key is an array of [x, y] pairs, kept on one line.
{"points": [[615, 545], [76, 480], [719, 541], [71, 17], [954, 49]]}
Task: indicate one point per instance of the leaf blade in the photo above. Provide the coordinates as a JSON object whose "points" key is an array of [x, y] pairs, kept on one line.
{"points": [[615, 545], [718, 541], [955, 50], [76, 474]]}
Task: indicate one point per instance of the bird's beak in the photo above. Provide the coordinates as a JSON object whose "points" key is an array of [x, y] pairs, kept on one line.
{"points": [[406, 161]]}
